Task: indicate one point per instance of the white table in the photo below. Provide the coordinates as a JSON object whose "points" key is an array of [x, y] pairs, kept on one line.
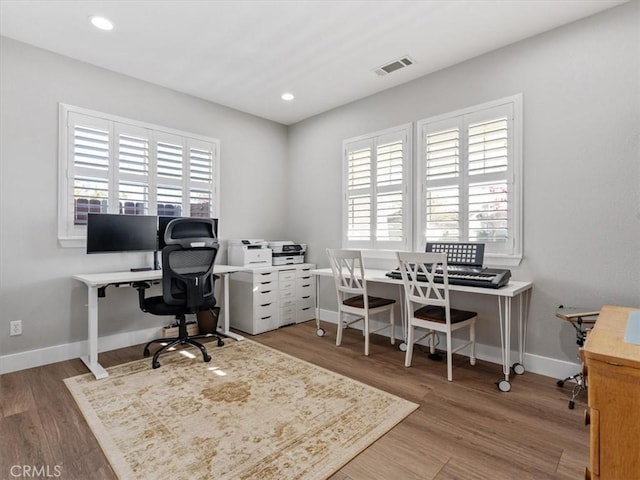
{"points": [[514, 289], [97, 281]]}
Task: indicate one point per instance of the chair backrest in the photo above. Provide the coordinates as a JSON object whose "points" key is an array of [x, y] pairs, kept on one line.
{"points": [[187, 263], [348, 272], [418, 272]]}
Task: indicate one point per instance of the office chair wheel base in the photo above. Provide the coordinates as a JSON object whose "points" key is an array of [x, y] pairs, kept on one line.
{"points": [[155, 364], [207, 358], [320, 332], [220, 342], [403, 347], [518, 368], [503, 385], [146, 352], [572, 404], [560, 383]]}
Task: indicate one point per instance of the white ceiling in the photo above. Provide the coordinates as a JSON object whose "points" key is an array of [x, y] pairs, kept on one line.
{"points": [[245, 54]]}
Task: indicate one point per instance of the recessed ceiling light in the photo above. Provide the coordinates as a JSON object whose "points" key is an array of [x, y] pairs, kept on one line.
{"points": [[101, 23], [287, 97]]}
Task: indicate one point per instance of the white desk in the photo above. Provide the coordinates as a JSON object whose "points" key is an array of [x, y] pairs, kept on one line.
{"points": [[96, 281], [504, 295]]}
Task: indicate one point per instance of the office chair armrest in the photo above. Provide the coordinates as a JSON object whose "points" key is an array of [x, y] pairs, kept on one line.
{"points": [[141, 287]]}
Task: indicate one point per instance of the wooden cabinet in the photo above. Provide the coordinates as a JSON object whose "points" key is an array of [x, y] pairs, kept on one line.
{"points": [[614, 398], [263, 299]]}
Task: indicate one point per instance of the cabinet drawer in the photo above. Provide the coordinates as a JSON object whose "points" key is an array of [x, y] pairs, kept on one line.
{"points": [[262, 277], [305, 313], [305, 282], [288, 302], [287, 275], [288, 314], [304, 272], [262, 297], [287, 284], [305, 302], [287, 293], [306, 291], [265, 310]]}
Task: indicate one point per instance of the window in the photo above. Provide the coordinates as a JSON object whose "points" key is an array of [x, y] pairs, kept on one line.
{"points": [[114, 165], [470, 178], [376, 186]]}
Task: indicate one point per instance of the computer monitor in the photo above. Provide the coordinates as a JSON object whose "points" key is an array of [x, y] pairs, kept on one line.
{"points": [[109, 233], [163, 221]]}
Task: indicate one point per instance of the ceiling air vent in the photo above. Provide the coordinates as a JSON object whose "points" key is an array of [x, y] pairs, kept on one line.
{"points": [[394, 65]]}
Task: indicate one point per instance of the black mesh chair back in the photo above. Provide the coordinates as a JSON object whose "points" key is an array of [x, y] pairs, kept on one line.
{"points": [[188, 281], [187, 260]]}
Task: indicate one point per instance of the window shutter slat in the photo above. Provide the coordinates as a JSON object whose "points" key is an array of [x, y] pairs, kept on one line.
{"points": [[442, 154], [488, 212], [90, 147], [169, 160], [488, 148]]}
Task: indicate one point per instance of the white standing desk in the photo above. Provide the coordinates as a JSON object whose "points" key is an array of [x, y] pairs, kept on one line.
{"points": [[514, 289], [97, 281]]}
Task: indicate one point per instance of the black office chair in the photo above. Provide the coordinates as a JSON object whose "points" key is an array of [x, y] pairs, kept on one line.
{"points": [[187, 281]]}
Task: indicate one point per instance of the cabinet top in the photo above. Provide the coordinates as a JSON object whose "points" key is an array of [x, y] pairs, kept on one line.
{"points": [[606, 341]]}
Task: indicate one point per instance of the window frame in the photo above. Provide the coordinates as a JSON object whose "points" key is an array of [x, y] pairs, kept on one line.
{"points": [[71, 235], [404, 132], [515, 171]]}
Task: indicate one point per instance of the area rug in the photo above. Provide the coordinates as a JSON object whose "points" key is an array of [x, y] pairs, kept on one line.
{"points": [[251, 413]]}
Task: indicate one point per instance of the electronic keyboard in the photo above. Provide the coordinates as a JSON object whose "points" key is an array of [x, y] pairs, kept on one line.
{"points": [[467, 276]]}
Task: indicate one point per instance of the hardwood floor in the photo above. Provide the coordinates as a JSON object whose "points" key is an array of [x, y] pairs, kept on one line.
{"points": [[463, 430]]}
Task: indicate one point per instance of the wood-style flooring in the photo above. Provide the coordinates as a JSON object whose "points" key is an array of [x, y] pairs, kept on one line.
{"points": [[464, 430]]}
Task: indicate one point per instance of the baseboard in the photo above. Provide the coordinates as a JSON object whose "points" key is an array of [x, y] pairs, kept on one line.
{"points": [[549, 367], [58, 353]]}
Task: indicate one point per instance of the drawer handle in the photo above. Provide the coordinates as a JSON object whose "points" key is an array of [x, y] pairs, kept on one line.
{"points": [[263, 274], [306, 308], [308, 296], [307, 285], [266, 291], [265, 318], [265, 304], [265, 283]]}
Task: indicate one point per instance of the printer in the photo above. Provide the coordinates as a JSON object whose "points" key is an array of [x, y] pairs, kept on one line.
{"points": [[286, 252], [249, 253]]}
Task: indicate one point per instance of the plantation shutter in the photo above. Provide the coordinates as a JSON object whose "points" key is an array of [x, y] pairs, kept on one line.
{"points": [[132, 175], [201, 189], [468, 179], [377, 206], [110, 164], [359, 192], [88, 170], [170, 154], [442, 167]]}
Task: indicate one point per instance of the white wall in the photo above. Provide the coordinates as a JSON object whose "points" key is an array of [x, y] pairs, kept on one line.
{"points": [[581, 89], [35, 283]]}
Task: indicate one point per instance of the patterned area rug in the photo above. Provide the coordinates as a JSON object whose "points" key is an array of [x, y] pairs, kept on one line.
{"points": [[251, 413]]}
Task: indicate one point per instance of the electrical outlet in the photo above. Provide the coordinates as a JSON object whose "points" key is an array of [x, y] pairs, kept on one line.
{"points": [[15, 328]]}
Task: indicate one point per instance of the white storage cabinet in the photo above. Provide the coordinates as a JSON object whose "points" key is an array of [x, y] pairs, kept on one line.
{"points": [[267, 298]]}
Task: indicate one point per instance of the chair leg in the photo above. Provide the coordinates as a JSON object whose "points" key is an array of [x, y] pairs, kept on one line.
{"points": [[366, 333], [155, 363], [340, 327], [409, 354], [205, 355], [449, 358], [472, 337], [393, 326]]}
